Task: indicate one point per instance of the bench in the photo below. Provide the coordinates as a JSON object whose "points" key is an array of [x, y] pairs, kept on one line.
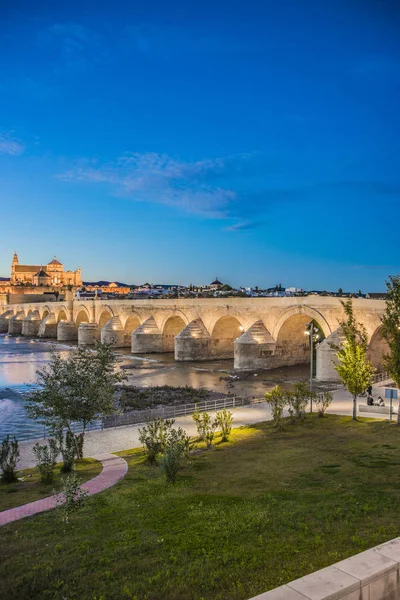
{"points": [[383, 410]]}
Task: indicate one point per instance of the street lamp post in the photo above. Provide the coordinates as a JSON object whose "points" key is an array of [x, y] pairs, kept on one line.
{"points": [[313, 332]]}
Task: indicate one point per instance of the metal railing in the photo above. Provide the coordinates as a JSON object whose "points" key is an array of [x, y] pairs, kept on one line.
{"points": [[382, 376], [180, 410]]}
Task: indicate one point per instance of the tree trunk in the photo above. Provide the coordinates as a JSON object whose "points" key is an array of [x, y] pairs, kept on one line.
{"points": [[398, 413], [354, 408]]}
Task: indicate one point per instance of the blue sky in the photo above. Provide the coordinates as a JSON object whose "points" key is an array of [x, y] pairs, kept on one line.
{"points": [[177, 141]]}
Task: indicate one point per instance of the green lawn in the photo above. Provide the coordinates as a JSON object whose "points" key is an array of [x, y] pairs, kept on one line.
{"points": [[30, 489], [243, 518]]}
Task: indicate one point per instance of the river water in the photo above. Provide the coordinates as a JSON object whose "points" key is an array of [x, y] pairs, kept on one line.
{"points": [[21, 357]]}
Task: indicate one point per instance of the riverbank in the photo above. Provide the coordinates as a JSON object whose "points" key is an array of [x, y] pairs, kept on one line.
{"points": [[120, 438]]}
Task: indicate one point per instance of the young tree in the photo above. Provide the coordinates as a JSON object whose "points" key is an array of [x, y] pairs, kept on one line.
{"points": [[9, 456], [277, 401], [391, 331], [205, 427], [153, 437], [323, 400], [46, 458], [224, 419], [298, 400], [77, 389], [176, 447], [353, 368], [71, 498]]}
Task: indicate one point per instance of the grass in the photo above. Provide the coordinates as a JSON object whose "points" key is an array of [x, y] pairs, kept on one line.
{"points": [[247, 516], [30, 489]]}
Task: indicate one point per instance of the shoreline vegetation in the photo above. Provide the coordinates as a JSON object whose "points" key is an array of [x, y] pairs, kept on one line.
{"points": [[131, 397], [243, 517]]}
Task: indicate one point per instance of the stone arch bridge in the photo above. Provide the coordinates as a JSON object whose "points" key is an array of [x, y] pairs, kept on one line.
{"points": [[259, 333]]}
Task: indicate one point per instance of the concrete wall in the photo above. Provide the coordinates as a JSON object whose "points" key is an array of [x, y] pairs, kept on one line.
{"points": [[371, 575]]}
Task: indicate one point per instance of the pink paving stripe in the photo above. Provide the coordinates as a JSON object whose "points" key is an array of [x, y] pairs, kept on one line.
{"points": [[114, 468]]}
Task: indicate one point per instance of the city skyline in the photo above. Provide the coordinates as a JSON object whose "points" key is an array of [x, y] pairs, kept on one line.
{"points": [[174, 143]]}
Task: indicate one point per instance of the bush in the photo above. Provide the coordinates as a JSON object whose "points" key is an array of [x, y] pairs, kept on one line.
{"points": [[176, 447], [277, 401], [46, 458], [67, 446], [9, 455], [72, 497], [297, 401], [224, 419], [323, 401], [205, 428], [154, 436]]}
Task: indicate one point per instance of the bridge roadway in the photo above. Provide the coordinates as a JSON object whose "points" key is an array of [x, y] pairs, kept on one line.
{"points": [[259, 333]]}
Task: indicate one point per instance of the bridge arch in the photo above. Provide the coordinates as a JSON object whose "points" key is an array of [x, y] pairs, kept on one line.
{"points": [[82, 316], [170, 329], [62, 314], [377, 348], [292, 345], [45, 312], [105, 316], [131, 323], [225, 331]]}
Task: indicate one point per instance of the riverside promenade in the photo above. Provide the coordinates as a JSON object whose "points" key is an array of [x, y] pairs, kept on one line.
{"points": [[123, 438]]}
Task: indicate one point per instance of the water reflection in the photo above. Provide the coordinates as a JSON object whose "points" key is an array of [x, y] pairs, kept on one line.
{"points": [[20, 358]]}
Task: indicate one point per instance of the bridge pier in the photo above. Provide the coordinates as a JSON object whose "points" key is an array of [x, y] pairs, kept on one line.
{"points": [[4, 320], [193, 342], [48, 327], [326, 357], [67, 331], [88, 334], [31, 324], [113, 333], [254, 349], [147, 338], [15, 323]]}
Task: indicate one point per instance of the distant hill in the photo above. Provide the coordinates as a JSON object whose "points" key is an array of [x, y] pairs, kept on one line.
{"points": [[106, 283], [4, 279]]}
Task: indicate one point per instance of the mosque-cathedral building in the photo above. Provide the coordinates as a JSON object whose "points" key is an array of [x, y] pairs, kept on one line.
{"points": [[50, 276]]}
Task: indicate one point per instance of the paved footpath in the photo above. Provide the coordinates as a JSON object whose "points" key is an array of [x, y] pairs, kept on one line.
{"points": [[114, 468], [123, 438]]}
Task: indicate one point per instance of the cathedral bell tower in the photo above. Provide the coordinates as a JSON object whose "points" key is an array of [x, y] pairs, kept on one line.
{"points": [[13, 265]]}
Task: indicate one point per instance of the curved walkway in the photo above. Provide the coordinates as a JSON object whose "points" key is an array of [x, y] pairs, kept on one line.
{"points": [[114, 468]]}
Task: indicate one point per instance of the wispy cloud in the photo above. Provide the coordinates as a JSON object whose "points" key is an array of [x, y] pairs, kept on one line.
{"points": [[243, 225], [73, 43], [158, 178], [10, 145]]}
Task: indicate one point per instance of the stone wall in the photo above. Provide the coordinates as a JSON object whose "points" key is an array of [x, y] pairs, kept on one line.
{"points": [[259, 333], [371, 575]]}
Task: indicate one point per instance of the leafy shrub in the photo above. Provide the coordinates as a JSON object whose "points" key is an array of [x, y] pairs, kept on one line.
{"points": [[67, 446], [224, 419], [154, 436], [277, 400], [72, 497], [176, 447], [297, 401], [46, 458], [205, 427], [9, 455], [323, 401]]}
